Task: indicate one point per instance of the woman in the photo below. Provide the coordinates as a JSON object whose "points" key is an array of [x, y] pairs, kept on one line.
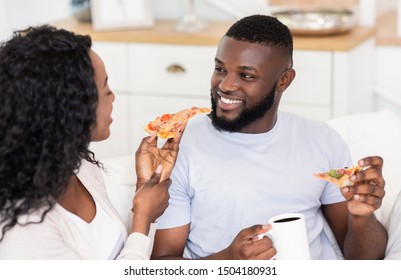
{"points": [[55, 100]]}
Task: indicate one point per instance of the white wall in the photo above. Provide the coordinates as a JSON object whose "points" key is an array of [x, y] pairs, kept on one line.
{"points": [[3, 21], [385, 5], [208, 9], [19, 14], [388, 68], [388, 73]]}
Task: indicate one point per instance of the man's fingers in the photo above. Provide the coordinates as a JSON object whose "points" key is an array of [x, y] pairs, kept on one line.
{"points": [[255, 231], [370, 175], [376, 161]]}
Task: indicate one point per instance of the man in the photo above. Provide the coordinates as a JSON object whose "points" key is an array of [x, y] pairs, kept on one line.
{"points": [[247, 162]]}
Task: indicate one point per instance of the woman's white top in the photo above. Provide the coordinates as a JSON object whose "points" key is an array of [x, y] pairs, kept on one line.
{"points": [[102, 233]]}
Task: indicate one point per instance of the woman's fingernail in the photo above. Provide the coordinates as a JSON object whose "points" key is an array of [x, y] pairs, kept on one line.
{"points": [[159, 169]]}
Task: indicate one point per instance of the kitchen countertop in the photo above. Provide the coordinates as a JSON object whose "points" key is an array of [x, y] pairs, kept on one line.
{"points": [[163, 33]]}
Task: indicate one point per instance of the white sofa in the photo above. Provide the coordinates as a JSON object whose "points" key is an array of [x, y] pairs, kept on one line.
{"points": [[376, 133]]}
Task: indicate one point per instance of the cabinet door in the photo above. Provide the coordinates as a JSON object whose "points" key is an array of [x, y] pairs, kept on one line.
{"points": [[310, 92], [114, 56]]}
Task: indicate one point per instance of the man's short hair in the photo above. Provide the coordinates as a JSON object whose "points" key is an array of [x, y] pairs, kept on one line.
{"points": [[263, 29]]}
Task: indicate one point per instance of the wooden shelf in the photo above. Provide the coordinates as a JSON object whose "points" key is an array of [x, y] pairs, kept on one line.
{"points": [[162, 33]]}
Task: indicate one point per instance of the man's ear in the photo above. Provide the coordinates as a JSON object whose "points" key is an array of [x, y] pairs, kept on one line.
{"points": [[285, 80]]}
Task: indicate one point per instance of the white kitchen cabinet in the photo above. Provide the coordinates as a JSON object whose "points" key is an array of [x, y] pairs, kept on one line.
{"points": [[353, 80], [331, 84]]}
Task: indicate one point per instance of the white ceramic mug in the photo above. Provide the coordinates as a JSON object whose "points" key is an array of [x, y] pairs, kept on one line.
{"points": [[289, 236]]}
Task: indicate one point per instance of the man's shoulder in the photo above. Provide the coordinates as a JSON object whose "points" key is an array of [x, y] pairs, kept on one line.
{"points": [[314, 130], [300, 121]]}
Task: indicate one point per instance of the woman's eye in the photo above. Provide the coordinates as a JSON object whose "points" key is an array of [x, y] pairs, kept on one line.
{"points": [[218, 69]]}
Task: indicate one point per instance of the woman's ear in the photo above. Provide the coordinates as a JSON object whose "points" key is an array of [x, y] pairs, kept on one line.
{"points": [[285, 80]]}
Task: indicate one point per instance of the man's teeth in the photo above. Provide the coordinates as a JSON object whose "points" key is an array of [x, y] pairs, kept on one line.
{"points": [[230, 101]]}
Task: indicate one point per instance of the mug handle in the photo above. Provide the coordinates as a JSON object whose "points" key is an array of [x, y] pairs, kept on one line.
{"points": [[268, 233]]}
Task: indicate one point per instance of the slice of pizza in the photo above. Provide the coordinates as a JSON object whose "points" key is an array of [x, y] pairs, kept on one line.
{"points": [[340, 176], [168, 125]]}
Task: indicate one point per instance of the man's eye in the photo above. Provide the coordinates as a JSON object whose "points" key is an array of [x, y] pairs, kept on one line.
{"points": [[246, 76], [218, 69]]}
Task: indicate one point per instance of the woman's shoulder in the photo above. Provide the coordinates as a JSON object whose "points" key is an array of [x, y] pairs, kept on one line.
{"points": [[90, 174]]}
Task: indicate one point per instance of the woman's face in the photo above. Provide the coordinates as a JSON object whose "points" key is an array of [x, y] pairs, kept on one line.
{"points": [[101, 130]]}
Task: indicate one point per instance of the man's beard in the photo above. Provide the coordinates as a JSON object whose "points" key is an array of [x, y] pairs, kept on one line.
{"points": [[246, 117]]}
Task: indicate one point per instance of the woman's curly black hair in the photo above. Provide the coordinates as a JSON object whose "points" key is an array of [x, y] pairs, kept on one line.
{"points": [[48, 101]]}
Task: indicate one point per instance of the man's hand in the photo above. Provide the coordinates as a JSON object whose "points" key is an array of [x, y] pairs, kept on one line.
{"points": [[248, 246], [366, 194]]}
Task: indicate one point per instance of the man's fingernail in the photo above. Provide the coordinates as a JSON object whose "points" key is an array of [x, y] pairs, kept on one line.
{"points": [[159, 169]]}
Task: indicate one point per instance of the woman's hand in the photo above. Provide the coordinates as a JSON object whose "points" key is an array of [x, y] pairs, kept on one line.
{"points": [[148, 156], [150, 201]]}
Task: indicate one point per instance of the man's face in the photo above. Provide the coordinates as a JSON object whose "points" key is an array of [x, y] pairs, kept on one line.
{"points": [[244, 85]]}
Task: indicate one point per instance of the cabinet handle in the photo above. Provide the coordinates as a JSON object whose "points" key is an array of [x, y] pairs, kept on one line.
{"points": [[175, 68]]}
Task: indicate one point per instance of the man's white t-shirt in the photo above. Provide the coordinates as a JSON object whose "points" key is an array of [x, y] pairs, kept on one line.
{"points": [[224, 182]]}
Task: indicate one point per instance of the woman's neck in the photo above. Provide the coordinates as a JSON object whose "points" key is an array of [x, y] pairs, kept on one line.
{"points": [[78, 200]]}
